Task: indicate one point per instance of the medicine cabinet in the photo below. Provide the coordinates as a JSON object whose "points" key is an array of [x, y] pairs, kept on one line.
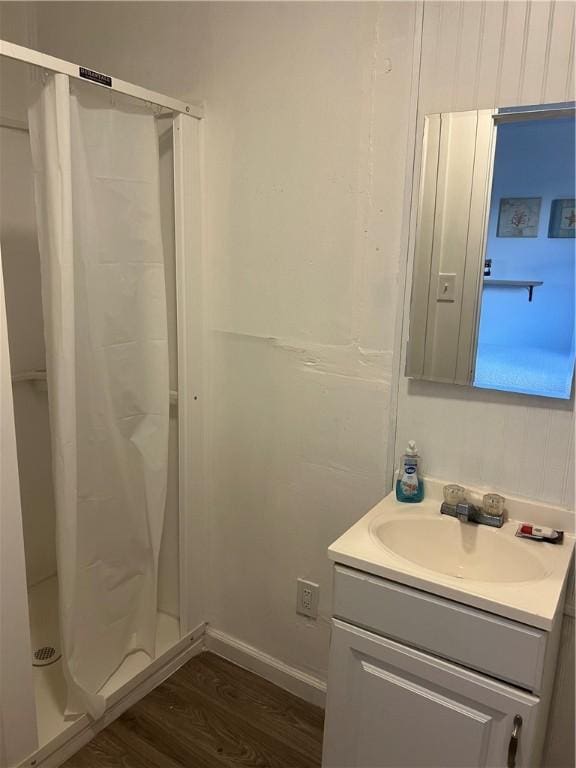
{"points": [[492, 302]]}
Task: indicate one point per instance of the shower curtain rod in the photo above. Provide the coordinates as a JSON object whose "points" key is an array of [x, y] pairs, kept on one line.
{"points": [[43, 60]]}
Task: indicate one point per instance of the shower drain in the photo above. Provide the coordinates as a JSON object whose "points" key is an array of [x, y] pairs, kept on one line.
{"points": [[45, 655]]}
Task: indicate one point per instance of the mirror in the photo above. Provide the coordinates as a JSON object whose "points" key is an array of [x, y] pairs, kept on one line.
{"points": [[493, 294]]}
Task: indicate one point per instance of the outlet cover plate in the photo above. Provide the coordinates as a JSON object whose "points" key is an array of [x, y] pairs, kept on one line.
{"points": [[307, 596]]}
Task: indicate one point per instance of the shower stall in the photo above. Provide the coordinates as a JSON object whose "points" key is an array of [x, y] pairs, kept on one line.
{"points": [[100, 396]]}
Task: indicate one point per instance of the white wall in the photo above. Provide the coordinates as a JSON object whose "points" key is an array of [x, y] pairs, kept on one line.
{"points": [[24, 308], [304, 162], [18, 719], [305, 154], [305, 167], [481, 55], [21, 266]]}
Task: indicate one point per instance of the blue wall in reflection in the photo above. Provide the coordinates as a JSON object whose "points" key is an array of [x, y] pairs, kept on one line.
{"points": [[529, 346]]}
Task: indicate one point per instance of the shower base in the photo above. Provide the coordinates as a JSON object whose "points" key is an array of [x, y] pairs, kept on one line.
{"points": [[49, 684]]}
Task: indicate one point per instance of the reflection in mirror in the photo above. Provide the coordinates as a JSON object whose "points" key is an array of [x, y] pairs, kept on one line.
{"points": [[526, 333], [493, 285]]}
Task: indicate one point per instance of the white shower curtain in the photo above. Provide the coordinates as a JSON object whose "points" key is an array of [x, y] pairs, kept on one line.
{"points": [[103, 292]]}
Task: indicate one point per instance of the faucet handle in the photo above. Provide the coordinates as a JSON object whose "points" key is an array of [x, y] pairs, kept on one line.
{"points": [[454, 494], [493, 504]]}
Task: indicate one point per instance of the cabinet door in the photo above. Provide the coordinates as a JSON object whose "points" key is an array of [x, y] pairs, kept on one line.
{"points": [[390, 706]]}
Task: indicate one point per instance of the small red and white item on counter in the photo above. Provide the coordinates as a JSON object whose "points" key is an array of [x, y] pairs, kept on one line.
{"points": [[537, 533]]}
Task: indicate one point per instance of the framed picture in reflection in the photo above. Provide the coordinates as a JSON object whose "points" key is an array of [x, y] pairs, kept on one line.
{"points": [[562, 218], [519, 217]]}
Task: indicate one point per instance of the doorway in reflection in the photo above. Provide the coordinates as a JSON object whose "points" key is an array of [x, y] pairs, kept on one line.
{"points": [[526, 338]]}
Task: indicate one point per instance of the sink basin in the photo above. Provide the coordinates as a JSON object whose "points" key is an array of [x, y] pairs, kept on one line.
{"points": [[482, 567], [460, 550]]}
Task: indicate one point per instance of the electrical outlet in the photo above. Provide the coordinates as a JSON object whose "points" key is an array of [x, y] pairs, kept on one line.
{"points": [[307, 598]]}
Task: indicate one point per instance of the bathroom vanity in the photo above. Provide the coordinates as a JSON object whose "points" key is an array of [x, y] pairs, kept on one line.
{"points": [[444, 639]]}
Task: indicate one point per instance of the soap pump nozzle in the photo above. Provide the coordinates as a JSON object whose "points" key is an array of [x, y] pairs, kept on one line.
{"points": [[411, 450]]}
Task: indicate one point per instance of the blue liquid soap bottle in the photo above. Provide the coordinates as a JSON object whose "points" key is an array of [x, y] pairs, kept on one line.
{"points": [[409, 485]]}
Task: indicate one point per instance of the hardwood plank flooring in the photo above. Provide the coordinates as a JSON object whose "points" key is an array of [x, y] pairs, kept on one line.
{"points": [[210, 714]]}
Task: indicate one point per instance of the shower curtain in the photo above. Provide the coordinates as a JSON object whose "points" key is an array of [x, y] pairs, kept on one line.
{"points": [[95, 157]]}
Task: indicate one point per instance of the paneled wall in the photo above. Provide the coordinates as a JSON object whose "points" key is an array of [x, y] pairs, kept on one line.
{"points": [[482, 55]]}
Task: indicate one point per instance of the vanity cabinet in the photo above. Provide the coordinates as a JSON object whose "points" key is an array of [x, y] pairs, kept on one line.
{"points": [[419, 680], [392, 706]]}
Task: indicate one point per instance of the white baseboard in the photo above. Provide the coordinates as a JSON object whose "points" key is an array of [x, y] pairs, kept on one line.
{"points": [[294, 680], [81, 731]]}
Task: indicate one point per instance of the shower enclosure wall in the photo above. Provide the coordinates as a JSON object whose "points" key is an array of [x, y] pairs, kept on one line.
{"points": [[38, 723]]}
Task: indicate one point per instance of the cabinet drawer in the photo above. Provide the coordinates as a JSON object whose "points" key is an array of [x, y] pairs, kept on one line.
{"points": [[496, 646]]}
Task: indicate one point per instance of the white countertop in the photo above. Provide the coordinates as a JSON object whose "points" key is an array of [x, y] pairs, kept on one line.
{"points": [[533, 602]]}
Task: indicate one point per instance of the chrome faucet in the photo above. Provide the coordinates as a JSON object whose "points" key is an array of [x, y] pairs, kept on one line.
{"points": [[467, 512]]}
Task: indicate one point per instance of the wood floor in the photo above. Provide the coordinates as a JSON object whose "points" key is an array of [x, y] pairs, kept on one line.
{"points": [[210, 714]]}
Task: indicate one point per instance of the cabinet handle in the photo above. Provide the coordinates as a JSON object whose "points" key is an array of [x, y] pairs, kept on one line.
{"points": [[513, 746]]}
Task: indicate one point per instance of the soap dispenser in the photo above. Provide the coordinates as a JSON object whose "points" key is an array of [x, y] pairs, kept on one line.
{"points": [[409, 485]]}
